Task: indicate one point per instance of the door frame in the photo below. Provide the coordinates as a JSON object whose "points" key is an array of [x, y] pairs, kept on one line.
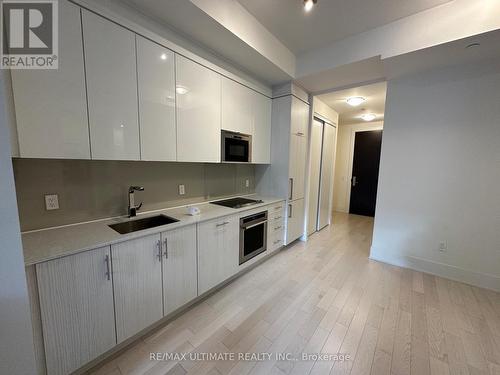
{"points": [[351, 157]]}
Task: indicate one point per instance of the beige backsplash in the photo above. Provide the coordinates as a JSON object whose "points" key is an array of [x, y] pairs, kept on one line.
{"points": [[90, 190]]}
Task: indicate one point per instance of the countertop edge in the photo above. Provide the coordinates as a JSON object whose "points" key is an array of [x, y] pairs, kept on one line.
{"points": [[31, 260]]}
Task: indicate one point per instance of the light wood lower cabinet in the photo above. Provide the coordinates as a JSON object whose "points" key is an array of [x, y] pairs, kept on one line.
{"points": [[295, 220], [180, 281], [218, 251], [137, 282], [76, 303], [91, 301]]}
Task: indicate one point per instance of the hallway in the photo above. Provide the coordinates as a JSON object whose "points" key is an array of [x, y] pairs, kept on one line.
{"points": [[326, 296]]}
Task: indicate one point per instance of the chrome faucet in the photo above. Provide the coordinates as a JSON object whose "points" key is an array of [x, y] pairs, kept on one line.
{"points": [[132, 208]]}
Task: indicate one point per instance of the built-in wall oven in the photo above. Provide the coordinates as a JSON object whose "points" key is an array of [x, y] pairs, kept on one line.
{"points": [[236, 147], [253, 235]]}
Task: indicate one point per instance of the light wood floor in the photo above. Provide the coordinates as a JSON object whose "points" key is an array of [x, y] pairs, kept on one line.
{"points": [[326, 296]]}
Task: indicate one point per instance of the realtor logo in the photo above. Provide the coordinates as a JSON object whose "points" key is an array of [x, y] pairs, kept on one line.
{"points": [[29, 34]]}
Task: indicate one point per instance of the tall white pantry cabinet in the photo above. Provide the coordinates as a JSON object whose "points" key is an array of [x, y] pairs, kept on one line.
{"points": [[285, 177]]}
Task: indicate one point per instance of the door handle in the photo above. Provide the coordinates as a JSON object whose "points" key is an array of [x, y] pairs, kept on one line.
{"points": [[291, 189], [108, 270], [158, 244], [354, 181]]}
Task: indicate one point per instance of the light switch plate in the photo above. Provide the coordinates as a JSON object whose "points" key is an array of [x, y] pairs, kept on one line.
{"points": [[51, 202], [182, 190]]}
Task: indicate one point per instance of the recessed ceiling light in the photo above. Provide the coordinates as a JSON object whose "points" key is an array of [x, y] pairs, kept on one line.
{"points": [[355, 100], [368, 116], [308, 4], [163, 56], [181, 90]]}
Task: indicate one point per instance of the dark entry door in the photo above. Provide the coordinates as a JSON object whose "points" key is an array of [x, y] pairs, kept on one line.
{"points": [[365, 168]]}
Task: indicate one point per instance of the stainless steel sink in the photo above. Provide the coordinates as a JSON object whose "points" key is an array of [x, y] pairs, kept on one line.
{"points": [[141, 224]]}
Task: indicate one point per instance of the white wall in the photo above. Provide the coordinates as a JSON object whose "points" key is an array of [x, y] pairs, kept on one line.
{"points": [[343, 163], [16, 337], [440, 175]]}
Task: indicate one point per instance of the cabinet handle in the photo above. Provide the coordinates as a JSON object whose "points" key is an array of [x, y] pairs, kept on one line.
{"points": [[291, 189], [166, 248], [108, 270], [278, 208], [300, 134], [222, 224], [158, 244], [276, 242], [277, 218], [276, 228], [289, 210]]}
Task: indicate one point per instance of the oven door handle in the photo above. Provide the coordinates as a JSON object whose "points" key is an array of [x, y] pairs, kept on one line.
{"points": [[253, 224]]}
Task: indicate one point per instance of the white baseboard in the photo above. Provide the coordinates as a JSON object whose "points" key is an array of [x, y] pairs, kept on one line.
{"points": [[447, 271]]}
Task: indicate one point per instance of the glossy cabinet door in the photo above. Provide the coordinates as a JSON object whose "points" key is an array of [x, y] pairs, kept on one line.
{"points": [[297, 166], [50, 105], [179, 267], [237, 107], [198, 98], [137, 284], [261, 140], [111, 74], [295, 220], [300, 117], [156, 88], [76, 304], [218, 251]]}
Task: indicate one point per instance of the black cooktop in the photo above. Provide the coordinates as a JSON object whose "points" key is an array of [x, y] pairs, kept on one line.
{"points": [[237, 202]]}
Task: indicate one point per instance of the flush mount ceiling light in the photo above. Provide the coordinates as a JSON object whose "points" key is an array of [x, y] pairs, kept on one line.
{"points": [[181, 90], [368, 116], [355, 100], [308, 4]]}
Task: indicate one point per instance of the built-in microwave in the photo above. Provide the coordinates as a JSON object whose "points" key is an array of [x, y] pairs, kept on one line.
{"points": [[236, 147]]}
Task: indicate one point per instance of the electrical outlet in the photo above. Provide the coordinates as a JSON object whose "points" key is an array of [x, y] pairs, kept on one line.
{"points": [[443, 246], [51, 202], [247, 183], [182, 190]]}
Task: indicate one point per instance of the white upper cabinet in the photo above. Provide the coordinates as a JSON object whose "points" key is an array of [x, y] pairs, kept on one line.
{"points": [[198, 97], [110, 63], [51, 108], [261, 140], [248, 112], [156, 82], [300, 117], [237, 107]]}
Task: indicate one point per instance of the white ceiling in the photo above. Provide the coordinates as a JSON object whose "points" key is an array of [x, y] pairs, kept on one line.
{"points": [[375, 102], [191, 22], [329, 20]]}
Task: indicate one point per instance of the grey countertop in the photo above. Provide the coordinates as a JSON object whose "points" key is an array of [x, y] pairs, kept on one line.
{"points": [[46, 244]]}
